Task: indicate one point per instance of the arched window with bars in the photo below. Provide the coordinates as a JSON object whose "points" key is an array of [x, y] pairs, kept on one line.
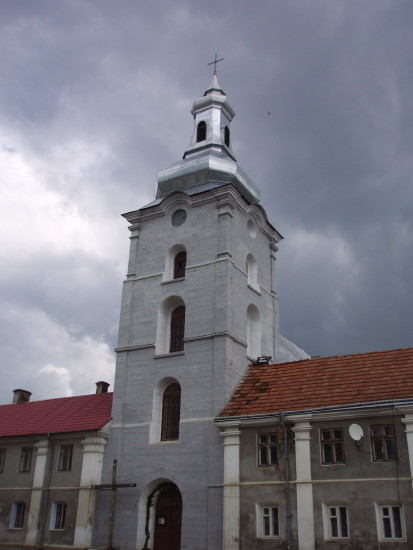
{"points": [[171, 412], [180, 264], [177, 329]]}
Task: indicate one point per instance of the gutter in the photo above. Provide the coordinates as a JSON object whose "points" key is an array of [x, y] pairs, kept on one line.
{"points": [[351, 407], [287, 481]]}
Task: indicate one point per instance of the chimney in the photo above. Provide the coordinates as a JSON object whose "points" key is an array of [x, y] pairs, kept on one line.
{"points": [[21, 396], [102, 387]]}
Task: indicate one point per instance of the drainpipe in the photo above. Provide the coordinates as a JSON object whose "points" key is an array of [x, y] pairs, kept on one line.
{"points": [[46, 498], [287, 480]]}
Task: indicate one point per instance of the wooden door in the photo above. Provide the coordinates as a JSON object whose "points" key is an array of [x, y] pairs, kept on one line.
{"points": [[168, 515]]}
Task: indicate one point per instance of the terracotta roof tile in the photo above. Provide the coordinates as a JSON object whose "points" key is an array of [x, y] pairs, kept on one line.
{"points": [[323, 382], [66, 414]]}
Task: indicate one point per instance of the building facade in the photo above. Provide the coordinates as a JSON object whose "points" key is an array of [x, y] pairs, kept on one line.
{"points": [[199, 302], [51, 453], [319, 454]]}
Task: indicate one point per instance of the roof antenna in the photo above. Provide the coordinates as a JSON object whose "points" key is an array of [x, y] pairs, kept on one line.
{"points": [[216, 60]]}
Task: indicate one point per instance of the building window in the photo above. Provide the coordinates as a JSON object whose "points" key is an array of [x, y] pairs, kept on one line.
{"points": [[390, 522], [267, 449], [180, 265], [252, 272], [58, 515], [332, 446], [226, 136], [177, 329], [25, 461], [268, 525], [383, 442], [17, 515], [2, 459], [65, 458], [171, 412], [254, 332], [337, 522], [201, 131]]}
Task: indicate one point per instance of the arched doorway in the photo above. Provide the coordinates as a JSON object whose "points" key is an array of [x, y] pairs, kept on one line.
{"points": [[168, 515]]}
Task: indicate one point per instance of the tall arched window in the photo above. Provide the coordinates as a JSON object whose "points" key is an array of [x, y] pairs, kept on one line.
{"points": [[171, 412], [251, 265], [180, 264], [177, 329], [254, 332], [201, 131], [226, 136]]}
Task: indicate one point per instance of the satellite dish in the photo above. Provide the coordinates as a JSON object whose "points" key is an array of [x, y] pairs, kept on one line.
{"points": [[356, 432]]}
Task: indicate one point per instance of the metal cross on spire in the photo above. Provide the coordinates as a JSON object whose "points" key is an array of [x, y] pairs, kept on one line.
{"points": [[215, 63]]}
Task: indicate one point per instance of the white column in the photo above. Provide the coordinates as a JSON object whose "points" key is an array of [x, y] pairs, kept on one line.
{"points": [[305, 507], [408, 421], [93, 449], [231, 442], [42, 449]]}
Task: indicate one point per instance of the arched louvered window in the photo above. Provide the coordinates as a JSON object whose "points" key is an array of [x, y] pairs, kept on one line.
{"points": [[171, 412], [226, 136], [180, 264], [201, 131], [177, 329]]}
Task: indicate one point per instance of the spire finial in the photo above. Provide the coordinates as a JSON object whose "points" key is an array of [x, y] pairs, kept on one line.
{"points": [[215, 63]]}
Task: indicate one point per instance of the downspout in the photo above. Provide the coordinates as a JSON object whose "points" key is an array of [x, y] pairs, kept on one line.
{"points": [[46, 490], [287, 481]]}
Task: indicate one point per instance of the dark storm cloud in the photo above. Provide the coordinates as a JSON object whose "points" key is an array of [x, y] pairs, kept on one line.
{"points": [[95, 100]]}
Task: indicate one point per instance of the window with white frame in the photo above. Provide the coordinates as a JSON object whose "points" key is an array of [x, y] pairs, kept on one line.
{"points": [[267, 521], [58, 515], [390, 522], [267, 448], [65, 458], [17, 515], [336, 516]]}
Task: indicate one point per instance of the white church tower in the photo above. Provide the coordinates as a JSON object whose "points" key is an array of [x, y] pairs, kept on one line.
{"points": [[199, 304]]}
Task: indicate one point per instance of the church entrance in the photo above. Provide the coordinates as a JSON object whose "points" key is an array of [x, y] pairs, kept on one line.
{"points": [[168, 515]]}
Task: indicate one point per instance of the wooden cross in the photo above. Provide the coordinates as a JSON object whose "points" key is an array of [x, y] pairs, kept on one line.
{"points": [[215, 63], [112, 487]]}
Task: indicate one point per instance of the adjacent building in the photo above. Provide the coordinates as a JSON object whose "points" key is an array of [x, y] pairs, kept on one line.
{"points": [[51, 453], [319, 454]]}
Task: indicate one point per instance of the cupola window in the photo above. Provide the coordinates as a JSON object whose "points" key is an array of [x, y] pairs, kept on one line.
{"points": [[226, 136], [201, 131]]}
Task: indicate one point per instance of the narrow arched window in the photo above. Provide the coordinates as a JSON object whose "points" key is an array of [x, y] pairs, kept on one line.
{"points": [[226, 136], [254, 332], [177, 329], [201, 131], [171, 412], [180, 264]]}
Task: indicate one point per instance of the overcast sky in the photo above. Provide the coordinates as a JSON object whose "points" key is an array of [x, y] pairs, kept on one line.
{"points": [[95, 99]]}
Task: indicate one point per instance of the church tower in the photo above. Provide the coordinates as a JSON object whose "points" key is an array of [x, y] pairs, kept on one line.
{"points": [[199, 304]]}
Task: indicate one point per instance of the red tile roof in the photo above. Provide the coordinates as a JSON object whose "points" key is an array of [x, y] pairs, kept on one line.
{"points": [[67, 414], [323, 382]]}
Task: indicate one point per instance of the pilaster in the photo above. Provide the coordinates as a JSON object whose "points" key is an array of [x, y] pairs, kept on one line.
{"points": [[408, 422], [42, 449], [231, 441], [93, 449], [305, 505]]}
